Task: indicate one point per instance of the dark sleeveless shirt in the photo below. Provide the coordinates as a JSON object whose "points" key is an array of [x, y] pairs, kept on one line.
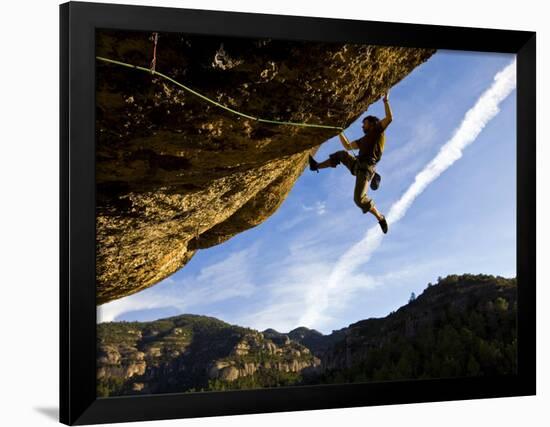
{"points": [[371, 145]]}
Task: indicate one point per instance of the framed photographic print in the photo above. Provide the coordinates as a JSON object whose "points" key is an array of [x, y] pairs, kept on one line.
{"points": [[267, 213]]}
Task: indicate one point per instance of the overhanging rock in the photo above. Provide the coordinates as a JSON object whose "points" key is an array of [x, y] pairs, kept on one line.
{"points": [[176, 175]]}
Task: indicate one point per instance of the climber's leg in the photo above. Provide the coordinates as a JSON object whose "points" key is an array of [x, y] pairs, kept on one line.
{"points": [[333, 160], [345, 158], [365, 203], [375, 212], [326, 164], [360, 191]]}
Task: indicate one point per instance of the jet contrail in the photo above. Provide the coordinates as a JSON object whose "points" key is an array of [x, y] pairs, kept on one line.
{"points": [[475, 119]]}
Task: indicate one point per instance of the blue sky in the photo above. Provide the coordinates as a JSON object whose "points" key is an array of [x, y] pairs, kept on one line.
{"points": [[463, 222]]}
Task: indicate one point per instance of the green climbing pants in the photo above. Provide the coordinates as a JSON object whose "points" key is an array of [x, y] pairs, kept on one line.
{"points": [[363, 170]]}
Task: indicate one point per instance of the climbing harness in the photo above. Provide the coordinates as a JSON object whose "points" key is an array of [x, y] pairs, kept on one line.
{"points": [[153, 71]]}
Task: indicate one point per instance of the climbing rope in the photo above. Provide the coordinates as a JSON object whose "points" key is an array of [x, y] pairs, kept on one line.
{"points": [[205, 98]]}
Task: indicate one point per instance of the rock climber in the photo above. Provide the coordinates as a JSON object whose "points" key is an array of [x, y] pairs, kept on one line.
{"points": [[370, 146]]}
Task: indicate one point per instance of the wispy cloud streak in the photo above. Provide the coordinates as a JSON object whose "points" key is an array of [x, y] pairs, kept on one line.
{"points": [[227, 279], [474, 121]]}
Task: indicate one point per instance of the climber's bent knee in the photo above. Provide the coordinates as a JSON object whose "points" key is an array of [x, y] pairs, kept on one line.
{"points": [[336, 158], [369, 203], [364, 203]]}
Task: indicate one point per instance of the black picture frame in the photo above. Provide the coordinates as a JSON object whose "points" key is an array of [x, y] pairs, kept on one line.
{"points": [[78, 401]]}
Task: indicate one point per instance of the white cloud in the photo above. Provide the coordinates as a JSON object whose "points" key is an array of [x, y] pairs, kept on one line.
{"points": [[305, 214], [229, 278], [292, 222], [319, 208], [300, 285], [110, 311]]}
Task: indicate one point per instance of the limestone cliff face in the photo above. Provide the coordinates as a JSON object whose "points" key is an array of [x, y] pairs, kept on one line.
{"points": [[175, 174], [190, 352]]}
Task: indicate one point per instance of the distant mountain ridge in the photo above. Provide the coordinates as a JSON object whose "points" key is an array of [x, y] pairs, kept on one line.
{"points": [[317, 342], [461, 326], [191, 352]]}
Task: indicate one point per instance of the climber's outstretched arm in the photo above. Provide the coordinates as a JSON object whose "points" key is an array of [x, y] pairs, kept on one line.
{"points": [[386, 120], [347, 145]]}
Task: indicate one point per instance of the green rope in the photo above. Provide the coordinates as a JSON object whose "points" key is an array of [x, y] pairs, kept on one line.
{"points": [[217, 104]]}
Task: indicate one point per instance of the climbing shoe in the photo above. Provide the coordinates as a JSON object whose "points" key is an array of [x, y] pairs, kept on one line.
{"points": [[383, 224], [375, 181], [313, 165]]}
